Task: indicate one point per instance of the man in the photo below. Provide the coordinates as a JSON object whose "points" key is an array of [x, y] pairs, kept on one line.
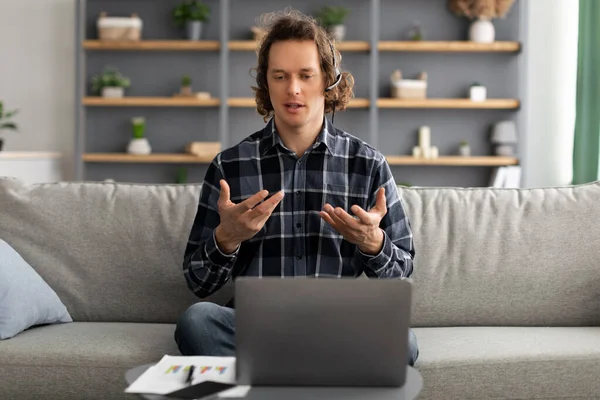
{"points": [[333, 209]]}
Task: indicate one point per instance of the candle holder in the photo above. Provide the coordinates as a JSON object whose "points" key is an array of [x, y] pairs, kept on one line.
{"points": [[424, 149]]}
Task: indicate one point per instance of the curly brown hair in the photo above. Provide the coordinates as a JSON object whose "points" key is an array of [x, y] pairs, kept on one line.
{"points": [[293, 25]]}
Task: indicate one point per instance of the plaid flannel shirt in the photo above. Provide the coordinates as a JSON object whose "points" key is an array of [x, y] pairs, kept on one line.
{"points": [[338, 169]]}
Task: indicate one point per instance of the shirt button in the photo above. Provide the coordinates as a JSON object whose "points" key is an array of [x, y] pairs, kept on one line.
{"points": [[298, 225], [298, 257], [297, 193]]}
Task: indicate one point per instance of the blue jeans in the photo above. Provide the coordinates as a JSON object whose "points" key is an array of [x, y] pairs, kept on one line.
{"points": [[207, 329]]}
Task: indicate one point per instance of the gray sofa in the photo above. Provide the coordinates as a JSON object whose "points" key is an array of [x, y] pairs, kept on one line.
{"points": [[506, 305]]}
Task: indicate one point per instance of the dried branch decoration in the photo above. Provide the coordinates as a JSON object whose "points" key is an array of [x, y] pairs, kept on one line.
{"points": [[487, 9]]}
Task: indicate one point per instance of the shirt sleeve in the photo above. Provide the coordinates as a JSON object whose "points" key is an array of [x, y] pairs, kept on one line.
{"points": [[206, 268], [395, 260]]}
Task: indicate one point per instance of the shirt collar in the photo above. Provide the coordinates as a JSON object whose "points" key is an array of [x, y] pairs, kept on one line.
{"points": [[326, 136]]}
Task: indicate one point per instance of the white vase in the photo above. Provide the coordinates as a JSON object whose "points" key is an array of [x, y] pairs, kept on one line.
{"points": [[193, 30], [139, 146], [478, 93], [112, 92], [482, 31], [464, 150], [338, 32]]}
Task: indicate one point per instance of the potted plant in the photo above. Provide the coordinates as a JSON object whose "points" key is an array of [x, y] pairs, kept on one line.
{"points": [[464, 149], [182, 176], [333, 18], [139, 143], [477, 92], [110, 83], [5, 122], [191, 14], [481, 12], [186, 86], [416, 32]]}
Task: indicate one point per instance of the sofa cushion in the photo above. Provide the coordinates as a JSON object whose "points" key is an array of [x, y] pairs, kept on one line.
{"points": [[509, 362], [81, 359], [506, 256], [26, 299], [112, 252]]}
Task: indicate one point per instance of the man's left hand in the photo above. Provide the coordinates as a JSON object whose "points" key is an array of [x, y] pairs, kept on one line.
{"points": [[362, 230]]}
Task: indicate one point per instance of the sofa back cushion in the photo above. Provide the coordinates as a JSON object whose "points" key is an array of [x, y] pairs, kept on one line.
{"points": [[112, 252], [506, 256]]}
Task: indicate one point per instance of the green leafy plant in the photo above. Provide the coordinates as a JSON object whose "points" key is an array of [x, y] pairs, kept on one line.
{"points": [[464, 143], [111, 77], [139, 127], [186, 81], [5, 116], [332, 15], [182, 175], [190, 10], [476, 84], [416, 33]]}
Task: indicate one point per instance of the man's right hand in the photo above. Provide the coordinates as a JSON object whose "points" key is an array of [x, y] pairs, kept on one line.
{"points": [[240, 222]]}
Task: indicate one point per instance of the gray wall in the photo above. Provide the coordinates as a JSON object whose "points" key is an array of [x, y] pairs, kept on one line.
{"points": [[170, 129]]}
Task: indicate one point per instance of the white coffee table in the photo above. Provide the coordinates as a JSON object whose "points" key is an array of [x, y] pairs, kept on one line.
{"points": [[414, 384]]}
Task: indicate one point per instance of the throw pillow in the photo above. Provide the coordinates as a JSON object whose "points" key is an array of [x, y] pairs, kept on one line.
{"points": [[26, 299]]}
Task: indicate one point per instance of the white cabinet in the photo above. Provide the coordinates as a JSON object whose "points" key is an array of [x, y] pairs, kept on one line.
{"points": [[31, 167]]}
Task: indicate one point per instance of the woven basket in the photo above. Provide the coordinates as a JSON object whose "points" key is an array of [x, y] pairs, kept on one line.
{"points": [[408, 88], [409, 92], [119, 28]]}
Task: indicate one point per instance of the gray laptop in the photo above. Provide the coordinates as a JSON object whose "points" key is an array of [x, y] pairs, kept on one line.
{"points": [[322, 332]]}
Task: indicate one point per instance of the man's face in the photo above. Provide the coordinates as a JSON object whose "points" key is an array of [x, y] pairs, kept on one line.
{"points": [[296, 83]]}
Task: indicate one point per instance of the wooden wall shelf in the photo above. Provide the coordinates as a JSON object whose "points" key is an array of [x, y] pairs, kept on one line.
{"points": [[368, 60], [449, 46], [151, 102], [356, 45], [172, 158], [172, 45], [472, 161], [250, 102], [448, 103], [181, 158], [251, 45]]}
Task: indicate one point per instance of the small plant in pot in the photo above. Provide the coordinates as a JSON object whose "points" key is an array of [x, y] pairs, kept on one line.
{"points": [[186, 86], [5, 121], [191, 14], [110, 83], [477, 92], [464, 149], [333, 18], [139, 143]]}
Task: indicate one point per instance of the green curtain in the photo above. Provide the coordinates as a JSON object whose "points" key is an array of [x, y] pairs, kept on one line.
{"points": [[586, 146]]}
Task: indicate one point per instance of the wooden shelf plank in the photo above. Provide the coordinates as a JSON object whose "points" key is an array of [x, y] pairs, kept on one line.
{"points": [[172, 45], [151, 102], [355, 45], [250, 102], [448, 103], [251, 45], [472, 161], [173, 158], [448, 46]]}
